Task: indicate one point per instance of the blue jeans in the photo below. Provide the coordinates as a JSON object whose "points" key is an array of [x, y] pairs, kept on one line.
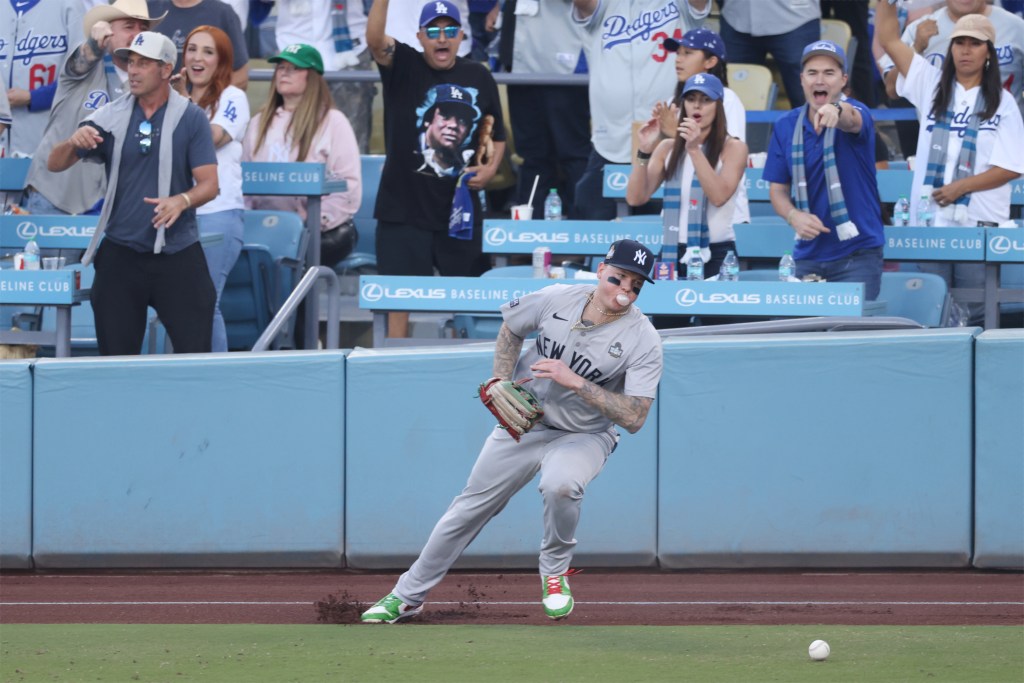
{"points": [[221, 259], [786, 48], [38, 204], [863, 265]]}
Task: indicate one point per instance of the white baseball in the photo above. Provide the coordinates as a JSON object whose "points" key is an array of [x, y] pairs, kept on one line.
{"points": [[622, 299], [819, 650]]}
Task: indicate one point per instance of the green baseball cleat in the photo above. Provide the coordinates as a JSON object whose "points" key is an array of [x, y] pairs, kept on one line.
{"points": [[557, 598], [388, 610]]}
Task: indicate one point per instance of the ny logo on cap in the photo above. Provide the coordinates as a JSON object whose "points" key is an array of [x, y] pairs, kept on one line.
{"points": [[441, 8], [456, 93], [640, 257], [139, 40]]}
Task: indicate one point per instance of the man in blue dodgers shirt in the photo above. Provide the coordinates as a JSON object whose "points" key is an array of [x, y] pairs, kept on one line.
{"points": [[839, 237]]}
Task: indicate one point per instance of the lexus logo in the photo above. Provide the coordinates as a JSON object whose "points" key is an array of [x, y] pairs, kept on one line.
{"points": [[686, 297], [27, 230], [372, 292], [495, 236], [617, 181], [999, 244]]}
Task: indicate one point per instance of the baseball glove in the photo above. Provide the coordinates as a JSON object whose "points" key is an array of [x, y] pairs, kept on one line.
{"points": [[515, 406]]}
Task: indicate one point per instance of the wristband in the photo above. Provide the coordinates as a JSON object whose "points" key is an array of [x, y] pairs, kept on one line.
{"points": [[642, 155], [188, 202], [839, 108]]}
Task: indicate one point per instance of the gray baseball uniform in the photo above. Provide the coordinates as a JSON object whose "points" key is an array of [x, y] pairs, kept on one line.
{"points": [[569, 448]]}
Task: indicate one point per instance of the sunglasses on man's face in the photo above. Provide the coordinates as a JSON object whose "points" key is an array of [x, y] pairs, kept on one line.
{"points": [[434, 32], [146, 131]]}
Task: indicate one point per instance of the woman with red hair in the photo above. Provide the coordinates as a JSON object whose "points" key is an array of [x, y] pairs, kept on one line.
{"points": [[206, 79]]}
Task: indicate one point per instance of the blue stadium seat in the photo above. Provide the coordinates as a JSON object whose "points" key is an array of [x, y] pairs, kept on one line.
{"points": [[247, 302], [363, 259], [922, 297], [486, 325]]}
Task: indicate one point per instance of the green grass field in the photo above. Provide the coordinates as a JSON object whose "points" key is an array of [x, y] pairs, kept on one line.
{"points": [[861, 654]]}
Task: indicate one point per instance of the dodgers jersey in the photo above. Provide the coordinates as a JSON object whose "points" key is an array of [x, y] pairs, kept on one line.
{"points": [[35, 37], [623, 356], [629, 68]]}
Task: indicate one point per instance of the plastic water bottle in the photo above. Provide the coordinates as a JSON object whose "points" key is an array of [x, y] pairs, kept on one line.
{"points": [[32, 255], [902, 211], [924, 210], [787, 267], [553, 206], [730, 267], [694, 265]]}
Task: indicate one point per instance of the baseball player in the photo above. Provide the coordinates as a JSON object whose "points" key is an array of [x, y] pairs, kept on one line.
{"points": [[596, 363]]}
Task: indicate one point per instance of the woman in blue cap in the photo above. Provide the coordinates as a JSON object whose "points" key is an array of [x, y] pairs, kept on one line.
{"points": [[702, 167]]}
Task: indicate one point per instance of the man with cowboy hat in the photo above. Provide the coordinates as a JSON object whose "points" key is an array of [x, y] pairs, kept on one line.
{"points": [[93, 75]]}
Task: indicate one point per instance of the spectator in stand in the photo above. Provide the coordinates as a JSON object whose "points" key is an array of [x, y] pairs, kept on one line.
{"points": [[855, 14], [35, 38], [338, 31], [158, 152], [93, 75], [185, 15], [550, 123], [629, 72], [929, 36], [970, 132], [701, 50], [206, 80], [483, 32], [821, 170], [702, 167], [753, 28], [416, 235], [299, 123], [5, 112]]}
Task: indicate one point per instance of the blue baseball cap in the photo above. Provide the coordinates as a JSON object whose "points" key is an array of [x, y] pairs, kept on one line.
{"points": [[449, 94], [705, 83], [698, 39], [439, 8], [826, 48]]}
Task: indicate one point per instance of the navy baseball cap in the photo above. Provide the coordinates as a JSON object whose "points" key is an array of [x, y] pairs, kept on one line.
{"points": [[439, 8], [698, 39], [705, 83], [449, 94], [632, 256], [826, 48]]}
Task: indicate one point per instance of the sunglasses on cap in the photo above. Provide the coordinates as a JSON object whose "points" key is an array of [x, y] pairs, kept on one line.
{"points": [[434, 32], [146, 141]]}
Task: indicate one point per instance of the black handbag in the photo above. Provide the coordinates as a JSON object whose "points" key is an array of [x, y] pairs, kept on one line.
{"points": [[337, 243]]}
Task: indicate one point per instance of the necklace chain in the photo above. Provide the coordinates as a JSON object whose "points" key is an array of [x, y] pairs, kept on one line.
{"points": [[580, 325]]}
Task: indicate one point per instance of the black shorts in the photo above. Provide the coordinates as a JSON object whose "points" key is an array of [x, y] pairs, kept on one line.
{"points": [[404, 249]]}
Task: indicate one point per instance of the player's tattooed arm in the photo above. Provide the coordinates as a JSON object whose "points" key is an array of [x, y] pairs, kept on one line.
{"points": [[629, 412], [507, 348], [84, 58]]}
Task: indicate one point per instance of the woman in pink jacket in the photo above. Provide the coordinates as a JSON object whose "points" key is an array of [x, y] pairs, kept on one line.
{"points": [[298, 123]]}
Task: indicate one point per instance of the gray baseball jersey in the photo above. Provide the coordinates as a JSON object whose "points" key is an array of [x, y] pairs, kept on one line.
{"points": [[77, 189], [623, 356], [35, 37]]}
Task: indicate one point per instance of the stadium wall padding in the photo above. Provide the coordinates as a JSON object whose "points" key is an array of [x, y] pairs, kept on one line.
{"points": [[190, 461], [999, 450], [15, 464], [817, 449], [804, 450]]}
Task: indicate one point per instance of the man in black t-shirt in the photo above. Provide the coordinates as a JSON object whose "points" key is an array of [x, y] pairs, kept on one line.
{"points": [[434, 104]]}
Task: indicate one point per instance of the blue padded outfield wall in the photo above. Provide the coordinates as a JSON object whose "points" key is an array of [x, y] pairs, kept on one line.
{"points": [[860, 449], [999, 450]]}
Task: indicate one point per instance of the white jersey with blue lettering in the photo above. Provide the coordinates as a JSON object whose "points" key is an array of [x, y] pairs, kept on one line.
{"points": [[623, 356], [35, 37], [629, 69]]}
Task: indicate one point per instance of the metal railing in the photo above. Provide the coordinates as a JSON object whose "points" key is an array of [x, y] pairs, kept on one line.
{"points": [[313, 275]]}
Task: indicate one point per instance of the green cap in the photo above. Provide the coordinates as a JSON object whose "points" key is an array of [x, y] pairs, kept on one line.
{"points": [[301, 55]]}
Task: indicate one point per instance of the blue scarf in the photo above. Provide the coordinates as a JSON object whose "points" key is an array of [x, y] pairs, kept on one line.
{"points": [[460, 220], [936, 171], [697, 233], [845, 228]]}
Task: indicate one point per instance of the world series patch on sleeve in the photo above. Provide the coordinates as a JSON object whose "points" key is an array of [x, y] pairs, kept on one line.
{"points": [[515, 406]]}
